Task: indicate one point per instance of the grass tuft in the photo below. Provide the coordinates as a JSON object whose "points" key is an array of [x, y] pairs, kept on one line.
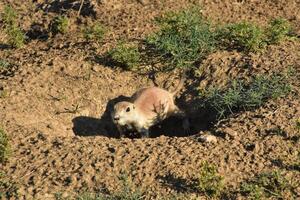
{"points": [[278, 30], [127, 192], [95, 33], [267, 185], [16, 37], [4, 146], [240, 95], [210, 183], [184, 37], [243, 36], [8, 188], [126, 55], [59, 24], [4, 64], [298, 124]]}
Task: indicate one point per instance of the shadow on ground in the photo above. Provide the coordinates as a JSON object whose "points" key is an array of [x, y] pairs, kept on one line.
{"points": [[61, 6], [103, 126], [200, 120], [178, 184]]}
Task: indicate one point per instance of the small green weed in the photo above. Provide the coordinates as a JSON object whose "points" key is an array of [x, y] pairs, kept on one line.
{"points": [[95, 32], [3, 94], [267, 185], [4, 64], [240, 95], [8, 188], [127, 192], [298, 125], [184, 37], [244, 36], [59, 24], [16, 37], [4, 146], [210, 183], [278, 29], [126, 55]]}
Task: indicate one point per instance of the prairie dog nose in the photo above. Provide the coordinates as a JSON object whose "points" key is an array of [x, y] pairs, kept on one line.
{"points": [[116, 118]]}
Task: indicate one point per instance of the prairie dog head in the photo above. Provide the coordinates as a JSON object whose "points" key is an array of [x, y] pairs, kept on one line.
{"points": [[123, 113]]}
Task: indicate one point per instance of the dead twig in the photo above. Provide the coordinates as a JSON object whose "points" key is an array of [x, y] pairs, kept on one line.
{"points": [[81, 4], [67, 110]]}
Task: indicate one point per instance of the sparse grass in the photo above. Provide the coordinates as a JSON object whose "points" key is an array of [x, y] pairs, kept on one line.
{"points": [[278, 30], [4, 64], [4, 146], [298, 124], [128, 192], [244, 36], [59, 24], [8, 188], [267, 185], [240, 95], [16, 37], [95, 32], [210, 182], [184, 38], [249, 37], [3, 94], [126, 55]]}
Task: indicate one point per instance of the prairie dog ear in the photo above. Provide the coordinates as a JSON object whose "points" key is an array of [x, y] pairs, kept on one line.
{"points": [[133, 107]]}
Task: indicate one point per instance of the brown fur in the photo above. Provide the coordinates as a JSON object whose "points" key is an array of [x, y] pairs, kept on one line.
{"points": [[147, 107]]}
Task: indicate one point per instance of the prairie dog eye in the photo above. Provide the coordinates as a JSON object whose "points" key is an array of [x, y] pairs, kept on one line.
{"points": [[127, 109]]}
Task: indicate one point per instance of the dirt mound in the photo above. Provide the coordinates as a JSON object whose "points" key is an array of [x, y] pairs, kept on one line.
{"points": [[55, 110]]}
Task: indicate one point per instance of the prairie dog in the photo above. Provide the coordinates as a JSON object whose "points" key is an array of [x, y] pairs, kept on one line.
{"points": [[147, 107]]}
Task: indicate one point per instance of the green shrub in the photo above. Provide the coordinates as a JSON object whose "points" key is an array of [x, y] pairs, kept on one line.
{"points": [[278, 29], [4, 146], [210, 183], [4, 64], [244, 36], [126, 55], [16, 37], [95, 32], [59, 24], [184, 37], [267, 185], [240, 95]]}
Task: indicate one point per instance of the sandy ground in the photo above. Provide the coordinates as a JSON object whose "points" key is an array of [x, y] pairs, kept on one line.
{"points": [[54, 151]]}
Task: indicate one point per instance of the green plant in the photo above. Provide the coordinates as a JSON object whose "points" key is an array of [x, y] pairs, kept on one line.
{"points": [[278, 29], [8, 188], [184, 37], [241, 95], [298, 124], [4, 146], [59, 24], [3, 93], [4, 64], [266, 185], [127, 192], [95, 32], [16, 37], [126, 55], [210, 183], [244, 36]]}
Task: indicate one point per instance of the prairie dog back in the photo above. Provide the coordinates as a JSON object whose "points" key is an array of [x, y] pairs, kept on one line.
{"points": [[153, 101]]}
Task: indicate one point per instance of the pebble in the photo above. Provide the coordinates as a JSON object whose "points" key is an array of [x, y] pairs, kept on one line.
{"points": [[208, 138]]}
